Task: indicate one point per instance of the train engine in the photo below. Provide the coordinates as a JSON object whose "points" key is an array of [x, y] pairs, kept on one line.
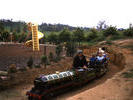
{"points": [[48, 85]]}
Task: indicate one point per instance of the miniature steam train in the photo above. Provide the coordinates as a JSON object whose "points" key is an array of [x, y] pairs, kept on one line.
{"points": [[46, 85]]}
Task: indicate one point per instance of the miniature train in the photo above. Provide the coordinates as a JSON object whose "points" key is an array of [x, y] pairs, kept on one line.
{"points": [[47, 85]]}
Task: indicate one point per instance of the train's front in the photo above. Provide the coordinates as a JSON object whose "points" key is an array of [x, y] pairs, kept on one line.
{"points": [[37, 92]]}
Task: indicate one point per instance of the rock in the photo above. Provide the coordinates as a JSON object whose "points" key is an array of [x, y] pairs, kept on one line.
{"points": [[3, 73]]}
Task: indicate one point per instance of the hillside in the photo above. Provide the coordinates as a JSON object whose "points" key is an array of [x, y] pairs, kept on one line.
{"points": [[20, 26]]}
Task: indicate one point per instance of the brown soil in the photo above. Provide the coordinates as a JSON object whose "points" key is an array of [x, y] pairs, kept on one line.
{"points": [[114, 88]]}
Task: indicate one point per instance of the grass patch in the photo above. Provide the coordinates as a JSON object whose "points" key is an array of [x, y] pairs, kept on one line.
{"points": [[92, 43], [128, 46], [128, 74], [109, 42]]}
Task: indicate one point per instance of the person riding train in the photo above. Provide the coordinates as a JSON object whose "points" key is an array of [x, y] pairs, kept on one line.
{"points": [[79, 60], [99, 58]]}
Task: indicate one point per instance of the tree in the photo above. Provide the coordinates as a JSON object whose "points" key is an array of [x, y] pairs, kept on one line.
{"points": [[1, 27], [70, 48], [52, 38], [4, 36], [18, 29], [15, 36], [30, 62], [64, 36], [128, 32], [78, 35], [51, 56], [110, 31], [101, 25], [59, 50], [22, 37], [92, 35], [44, 60], [25, 28]]}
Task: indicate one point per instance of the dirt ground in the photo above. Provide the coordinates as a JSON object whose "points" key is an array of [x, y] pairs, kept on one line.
{"points": [[112, 86]]}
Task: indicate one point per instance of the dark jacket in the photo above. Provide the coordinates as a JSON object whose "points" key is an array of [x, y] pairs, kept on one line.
{"points": [[77, 62]]}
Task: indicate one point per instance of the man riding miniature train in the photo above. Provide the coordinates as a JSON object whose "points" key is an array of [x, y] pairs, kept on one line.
{"points": [[96, 59], [79, 60]]}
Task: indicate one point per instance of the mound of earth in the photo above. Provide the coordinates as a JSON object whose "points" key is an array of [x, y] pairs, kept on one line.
{"points": [[118, 87]]}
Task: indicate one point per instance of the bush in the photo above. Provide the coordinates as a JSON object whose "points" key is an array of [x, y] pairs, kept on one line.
{"points": [[128, 74], [64, 36], [110, 31], [116, 37], [108, 42], [128, 32], [51, 57], [93, 35], [70, 48], [12, 68], [44, 59], [52, 38], [59, 50], [56, 59], [30, 62]]}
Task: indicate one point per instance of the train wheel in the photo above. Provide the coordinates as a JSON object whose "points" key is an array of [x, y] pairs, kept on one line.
{"points": [[52, 94], [30, 98]]}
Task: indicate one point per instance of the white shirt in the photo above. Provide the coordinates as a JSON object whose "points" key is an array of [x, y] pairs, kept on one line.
{"points": [[100, 58]]}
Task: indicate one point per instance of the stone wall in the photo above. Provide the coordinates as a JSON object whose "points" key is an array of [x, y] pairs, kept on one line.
{"points": [[18, 54]]}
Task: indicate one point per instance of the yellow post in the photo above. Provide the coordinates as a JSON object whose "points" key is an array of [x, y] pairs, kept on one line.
{"points": [[35, 38]]}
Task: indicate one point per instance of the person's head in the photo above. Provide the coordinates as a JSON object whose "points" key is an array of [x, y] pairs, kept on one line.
{"points": [[99, 48], [103, 48], [80, 53], [100, 54]]}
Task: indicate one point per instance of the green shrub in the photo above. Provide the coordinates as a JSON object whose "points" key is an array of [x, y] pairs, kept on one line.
{"points": [[70, 48], [12, 68], [51, 57], [110, 31], [93, 35], [30, 62], [43, 59], [108, 42], [128, 74], [116, 37], [59, 50], [128, 32], [56, 59]]}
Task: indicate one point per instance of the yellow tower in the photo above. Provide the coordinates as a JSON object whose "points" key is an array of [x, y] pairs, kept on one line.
{"points": [[35, 37]]}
